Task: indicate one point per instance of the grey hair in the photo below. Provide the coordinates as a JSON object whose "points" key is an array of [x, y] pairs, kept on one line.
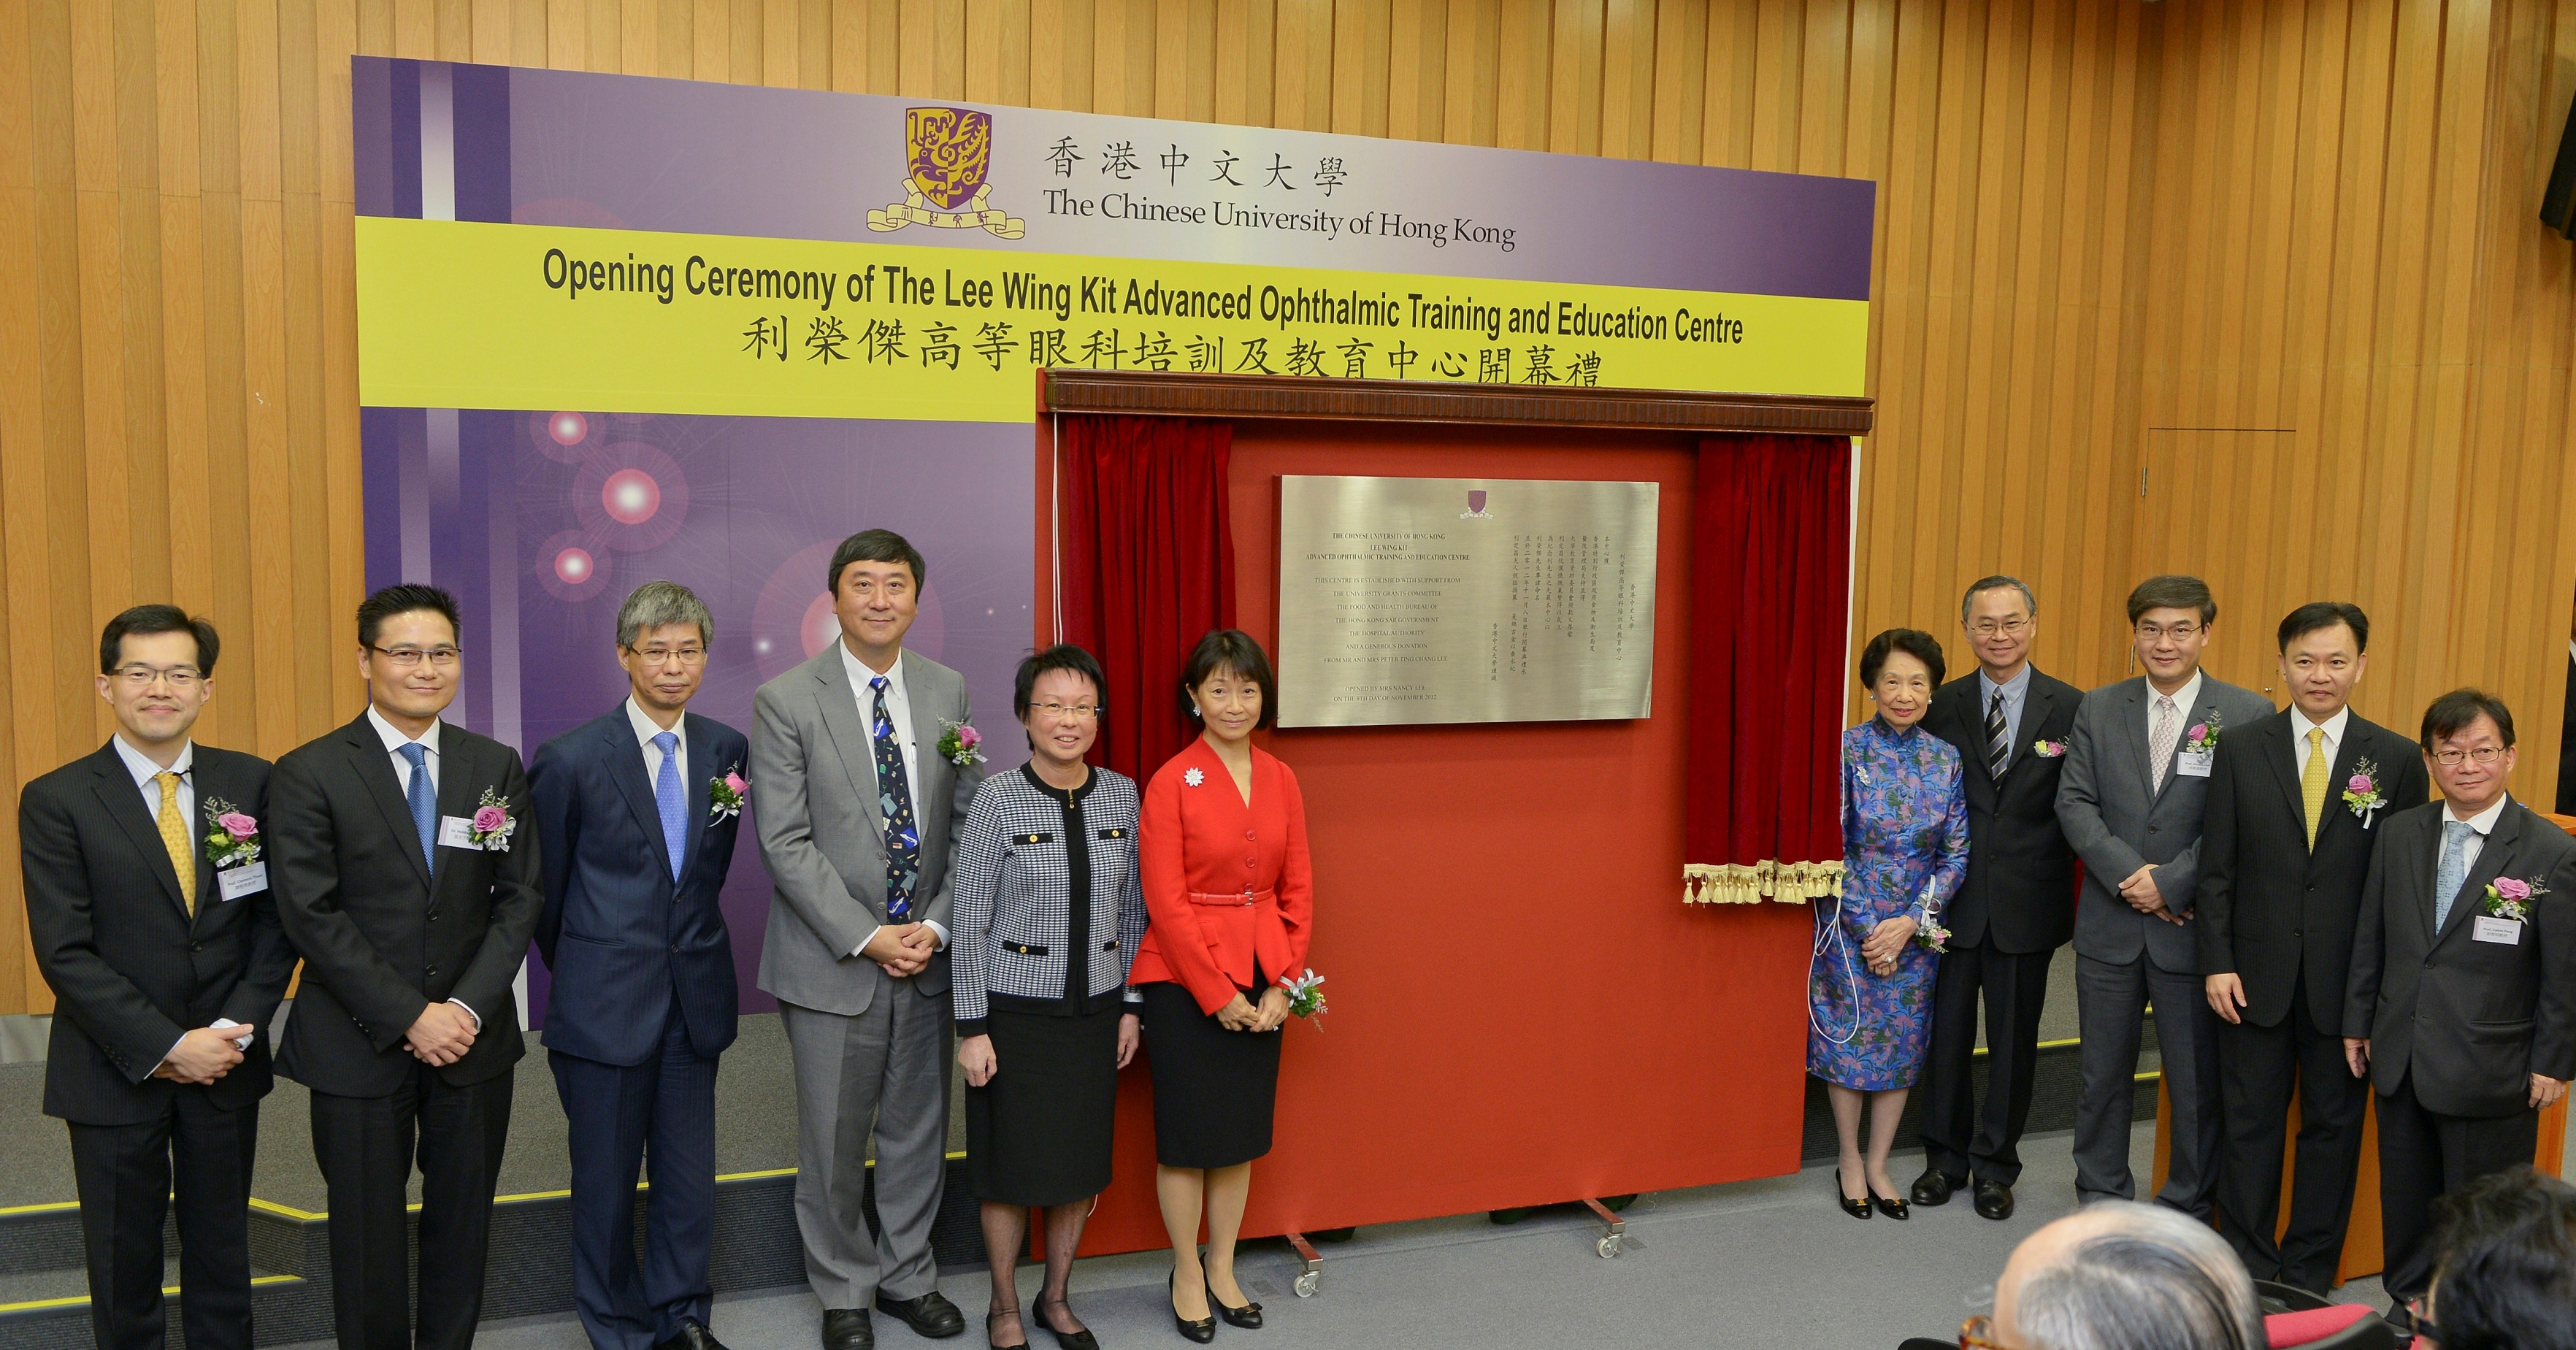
{"points": [[1997, 583], [658, 603], [2153, 1279]]}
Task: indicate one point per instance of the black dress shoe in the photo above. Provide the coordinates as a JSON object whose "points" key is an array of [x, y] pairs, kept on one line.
{"points": [[1858, 1209], [1890, 1206], [1994, 1200], [1934, 1187], [848, 1329], [1247, 1317], [1070, 1340], [930, 1315], [991, 1317], [1202, 1330], [692, 1335]]}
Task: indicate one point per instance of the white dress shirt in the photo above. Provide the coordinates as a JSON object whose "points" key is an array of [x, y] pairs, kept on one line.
{"points": [[2183, 699], [2333, 728], [394, 742], [646, 730], [899, 708], [2015, 693], [2480, 826]]}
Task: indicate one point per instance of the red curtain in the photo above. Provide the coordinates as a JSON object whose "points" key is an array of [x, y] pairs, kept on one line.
{"points": [[1146, 558], [1770, 563]]}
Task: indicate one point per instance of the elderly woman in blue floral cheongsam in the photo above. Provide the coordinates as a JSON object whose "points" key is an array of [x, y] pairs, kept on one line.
{"points": [[1905, 851]]}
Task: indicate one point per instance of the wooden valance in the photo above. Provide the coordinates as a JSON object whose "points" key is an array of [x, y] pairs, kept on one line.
{"points": [[1179, 394]]}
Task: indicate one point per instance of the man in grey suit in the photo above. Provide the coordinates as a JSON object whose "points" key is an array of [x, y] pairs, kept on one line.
{"points": [[855, 805], [2130, 798]]}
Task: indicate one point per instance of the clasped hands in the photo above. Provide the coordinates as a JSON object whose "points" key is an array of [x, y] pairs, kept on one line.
{"points": [[2141, 893], [902, 950], [2545, 1090], [1240, 1015], [975, 1053], [1886, 942], [203, 1055]]}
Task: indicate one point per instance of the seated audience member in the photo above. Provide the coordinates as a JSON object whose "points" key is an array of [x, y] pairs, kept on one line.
{"points": [[2506, 1275], [2118, 1275]]}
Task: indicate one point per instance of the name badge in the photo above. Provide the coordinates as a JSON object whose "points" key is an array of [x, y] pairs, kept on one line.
{"points": [[456, 832], [236, 882], [2489, 929], [2194, 763]]}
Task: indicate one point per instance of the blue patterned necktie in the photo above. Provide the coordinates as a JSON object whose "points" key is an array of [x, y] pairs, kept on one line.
{"points": [[424, 803], [894, 799], [668, 797], [2453, 870]]}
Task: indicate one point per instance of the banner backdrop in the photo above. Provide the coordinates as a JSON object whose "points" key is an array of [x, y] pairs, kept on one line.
{"points": [[613, 329]]}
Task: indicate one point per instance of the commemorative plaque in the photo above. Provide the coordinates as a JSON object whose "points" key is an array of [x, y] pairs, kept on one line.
{"points": [[1413, 600]]}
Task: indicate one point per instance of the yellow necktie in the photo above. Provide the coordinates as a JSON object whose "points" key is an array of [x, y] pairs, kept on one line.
{"points": [[174, 837], [2312, 783]]}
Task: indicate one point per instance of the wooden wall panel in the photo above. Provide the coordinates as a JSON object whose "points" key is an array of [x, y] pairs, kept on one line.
{"points": [[2247, 287]]}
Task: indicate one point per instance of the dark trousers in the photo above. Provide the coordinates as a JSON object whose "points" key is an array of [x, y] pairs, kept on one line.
{"points": [[366, 1147], [2424, 1155], [127, 1182], [2256, 1068], [2111, 1001], [1960, 1140], [620, 1113]]}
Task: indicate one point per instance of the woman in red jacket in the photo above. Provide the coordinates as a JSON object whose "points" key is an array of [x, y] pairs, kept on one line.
{"points": [[1230, 899]]}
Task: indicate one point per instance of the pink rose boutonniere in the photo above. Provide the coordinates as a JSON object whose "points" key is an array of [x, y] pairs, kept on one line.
{"points": [[2202, 738], [492, 824], [2361, 791], [726, 795], [959, 744], [234, 840], [2509, 898], [2048, 749]]}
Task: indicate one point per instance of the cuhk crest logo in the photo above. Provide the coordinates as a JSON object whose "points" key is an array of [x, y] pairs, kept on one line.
{"points": [[1475, 506], [947, 152]]}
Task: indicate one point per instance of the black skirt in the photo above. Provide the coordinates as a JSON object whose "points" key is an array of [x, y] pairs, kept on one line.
{"points": [[1214, 1089], [1039, 1132]]}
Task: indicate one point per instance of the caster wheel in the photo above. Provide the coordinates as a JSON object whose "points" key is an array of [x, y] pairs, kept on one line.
{"points": [[1308, 1283], [1609, 1246]]}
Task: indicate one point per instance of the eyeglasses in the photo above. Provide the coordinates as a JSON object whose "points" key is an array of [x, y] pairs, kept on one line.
{"points": [[1977, 1333], [2180, 632], [1986, 628], [139, 677], [1081, 712], [2484, 754], [405, 658], [656, 656]]}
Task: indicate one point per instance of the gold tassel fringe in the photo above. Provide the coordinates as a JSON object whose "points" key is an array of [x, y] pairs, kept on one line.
{"points": [[1751, 883]]}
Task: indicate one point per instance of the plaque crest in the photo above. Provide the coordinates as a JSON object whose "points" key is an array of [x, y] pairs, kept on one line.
{"points": [[1475, 506], [947, 153]]}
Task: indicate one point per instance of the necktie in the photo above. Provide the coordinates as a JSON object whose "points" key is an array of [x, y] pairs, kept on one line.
{"points": [[2160, 739], [174, 837], [673, 802], [894, 799], [423, 796], [1998, 746], [2453, 870], [2312, 782]]}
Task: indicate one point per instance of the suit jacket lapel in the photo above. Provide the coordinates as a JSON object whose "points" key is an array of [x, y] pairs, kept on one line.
{"points": [[703, 770], [849, 732], [375, 768], [2346, 755], [212, 785], [626, 769], [124, 803], [460, 786], [2492, 861], [2035, 705], [2281, 750], [926, 731]]}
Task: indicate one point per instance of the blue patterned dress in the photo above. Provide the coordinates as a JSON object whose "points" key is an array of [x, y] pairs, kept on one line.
{"points": [[1905, 851]]}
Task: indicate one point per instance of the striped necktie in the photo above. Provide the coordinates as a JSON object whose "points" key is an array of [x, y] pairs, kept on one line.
{"points": [[1998, 741]]}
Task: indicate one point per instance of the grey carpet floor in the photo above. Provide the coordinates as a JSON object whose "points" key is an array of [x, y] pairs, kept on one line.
{"points": [[1769, 1263]]}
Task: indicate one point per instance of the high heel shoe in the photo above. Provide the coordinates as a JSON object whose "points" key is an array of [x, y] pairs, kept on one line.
{"points": [[991, 1317], [1894, 1209], [1858, 1209], [1247, 1317], [1070, 1340], [1202, 1330]]}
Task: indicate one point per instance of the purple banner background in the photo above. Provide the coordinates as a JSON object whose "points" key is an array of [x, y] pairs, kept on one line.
{"points": [[541, 522]]}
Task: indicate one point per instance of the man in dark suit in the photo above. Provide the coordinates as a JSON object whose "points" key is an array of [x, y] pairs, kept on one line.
{"points": [[2131, 797], [408, 886], [2016, 908], [2461, 1005], [638, 812], [149, 911], [2294, 805]]}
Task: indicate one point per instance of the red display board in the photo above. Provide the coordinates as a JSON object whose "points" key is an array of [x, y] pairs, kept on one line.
{"points": [[1524, 1011]]}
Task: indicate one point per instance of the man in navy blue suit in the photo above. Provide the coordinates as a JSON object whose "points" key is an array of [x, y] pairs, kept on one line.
{"points": [[637, 812]]}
